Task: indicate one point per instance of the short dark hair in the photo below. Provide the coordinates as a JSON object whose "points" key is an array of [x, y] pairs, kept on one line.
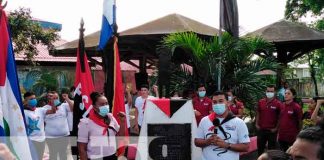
{"points": [[94, 97], [72, 88], [277, 155], [28, 94], [314, 135], [145, 86], [217, 93], [200, 85], [271, 86], [65, 91]]}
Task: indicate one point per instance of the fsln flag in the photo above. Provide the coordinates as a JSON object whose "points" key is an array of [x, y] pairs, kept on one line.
{"points": [[83, 85], [108, 20], [12, 125]]}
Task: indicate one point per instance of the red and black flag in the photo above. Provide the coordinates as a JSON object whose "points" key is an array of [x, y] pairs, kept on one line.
{"points": [[83, 85]]}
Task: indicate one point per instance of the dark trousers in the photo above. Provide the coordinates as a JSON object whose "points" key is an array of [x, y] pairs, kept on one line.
{"points": [[284, 145], [264, 137], [39, 147], [57, 147], [112, 157]]}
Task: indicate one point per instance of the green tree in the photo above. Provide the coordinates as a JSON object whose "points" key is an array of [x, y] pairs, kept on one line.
{"points": [[238, 67], [26, 33], [295, 11]]}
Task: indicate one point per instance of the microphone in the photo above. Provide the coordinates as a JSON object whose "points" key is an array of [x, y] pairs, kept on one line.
{"points": [[216, 123]]}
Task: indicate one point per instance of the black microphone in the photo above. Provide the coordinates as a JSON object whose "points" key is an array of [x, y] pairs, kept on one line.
{"points": [[216, 123]]}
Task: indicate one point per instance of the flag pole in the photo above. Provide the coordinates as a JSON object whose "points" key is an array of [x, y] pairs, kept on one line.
{"points": [[221, 22]]}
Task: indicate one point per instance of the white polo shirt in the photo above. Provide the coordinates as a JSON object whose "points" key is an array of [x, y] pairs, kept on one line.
{"points": [[139, 104], [56, 125], [35, 124], [235, 129], [98, 145]]}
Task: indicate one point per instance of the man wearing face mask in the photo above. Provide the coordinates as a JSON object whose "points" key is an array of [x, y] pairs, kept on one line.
{"points": [[35, 123], [202, 105], [223, 140], [57, 128], [267, 120]]}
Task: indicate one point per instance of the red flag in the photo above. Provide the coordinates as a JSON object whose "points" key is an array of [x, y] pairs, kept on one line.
{"points": [[83, 84], [118, 95]]}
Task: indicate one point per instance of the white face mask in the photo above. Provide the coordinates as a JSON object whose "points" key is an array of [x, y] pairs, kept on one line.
{"points": [[230, 98], [269, 94]]}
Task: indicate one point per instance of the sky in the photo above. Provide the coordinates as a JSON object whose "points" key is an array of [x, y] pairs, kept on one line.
{"points": [[253, 14]]}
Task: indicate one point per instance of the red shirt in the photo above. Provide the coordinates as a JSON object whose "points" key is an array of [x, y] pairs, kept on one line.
{"points": [[204, 106], [269, 112], [235, 107], [290, 116]]}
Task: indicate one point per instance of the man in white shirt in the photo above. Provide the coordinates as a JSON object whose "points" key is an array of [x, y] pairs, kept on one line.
{"points": [[221, 135], [35, 123], [56, 126], [140, 106]]}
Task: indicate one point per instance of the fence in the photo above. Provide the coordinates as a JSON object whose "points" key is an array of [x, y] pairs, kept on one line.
{"points": [[306, 87]]}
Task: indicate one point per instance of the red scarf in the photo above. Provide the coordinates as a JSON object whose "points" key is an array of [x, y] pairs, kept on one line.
{"points": [[211, 117], [99, 121]]}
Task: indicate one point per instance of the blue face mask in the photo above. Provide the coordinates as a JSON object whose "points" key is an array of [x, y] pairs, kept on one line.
{"points": [[219, 109], [56, 102], [32, 103], [104, 110], [202, 94]]}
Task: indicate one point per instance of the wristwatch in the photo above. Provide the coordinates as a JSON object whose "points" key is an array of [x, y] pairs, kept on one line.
{"points": [[229, 146]]}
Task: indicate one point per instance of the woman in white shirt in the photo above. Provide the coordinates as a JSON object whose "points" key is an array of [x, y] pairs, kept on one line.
{"points": [[35, 123], [97, 134]]}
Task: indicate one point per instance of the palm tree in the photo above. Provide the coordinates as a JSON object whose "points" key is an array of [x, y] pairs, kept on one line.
{"points": [[237, 62]]}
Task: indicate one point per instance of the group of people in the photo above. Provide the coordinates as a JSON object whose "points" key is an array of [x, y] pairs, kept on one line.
{"points": [[221, 131], [222, 134]]}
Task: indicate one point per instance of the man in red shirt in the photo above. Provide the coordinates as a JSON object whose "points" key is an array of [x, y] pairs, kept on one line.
{"points": [[202, 105], [267, 115]]}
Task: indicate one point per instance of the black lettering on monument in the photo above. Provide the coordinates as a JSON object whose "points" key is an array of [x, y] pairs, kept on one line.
{"points": [[170, 142]]}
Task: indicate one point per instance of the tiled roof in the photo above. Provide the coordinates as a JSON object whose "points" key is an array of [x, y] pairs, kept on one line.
{"points": [[44, 56]]}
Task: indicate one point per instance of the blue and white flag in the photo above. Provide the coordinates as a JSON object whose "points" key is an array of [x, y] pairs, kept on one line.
{"points": [[108, 20], [12, 126]]}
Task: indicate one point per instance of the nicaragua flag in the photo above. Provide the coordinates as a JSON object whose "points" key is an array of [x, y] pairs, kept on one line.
{"points": [[12, 126], [108, 20]]}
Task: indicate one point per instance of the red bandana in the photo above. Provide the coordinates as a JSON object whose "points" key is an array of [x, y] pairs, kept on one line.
{"points": [[99, 121]]}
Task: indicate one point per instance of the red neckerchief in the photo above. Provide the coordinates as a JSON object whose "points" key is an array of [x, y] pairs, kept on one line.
{"points": [[99, 121], [144, 105], [211, 117]]}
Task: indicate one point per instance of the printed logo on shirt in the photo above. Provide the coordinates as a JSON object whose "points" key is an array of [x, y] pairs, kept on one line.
{"points": [[231, 128], [273, 107], [206, 104], [290, 112]]}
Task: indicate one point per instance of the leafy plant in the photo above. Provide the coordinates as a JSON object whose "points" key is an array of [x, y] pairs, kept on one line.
{"points": [[49, 81], [238, 68]]}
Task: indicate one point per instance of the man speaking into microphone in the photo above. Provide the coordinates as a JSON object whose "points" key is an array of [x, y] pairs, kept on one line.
{"points": [[221, 135]]}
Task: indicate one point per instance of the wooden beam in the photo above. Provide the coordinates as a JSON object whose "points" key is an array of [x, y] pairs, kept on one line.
{"points": [[132, 63]]}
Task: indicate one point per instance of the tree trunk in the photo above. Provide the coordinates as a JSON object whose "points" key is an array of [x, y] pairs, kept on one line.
{"points": [[313, 73]]}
